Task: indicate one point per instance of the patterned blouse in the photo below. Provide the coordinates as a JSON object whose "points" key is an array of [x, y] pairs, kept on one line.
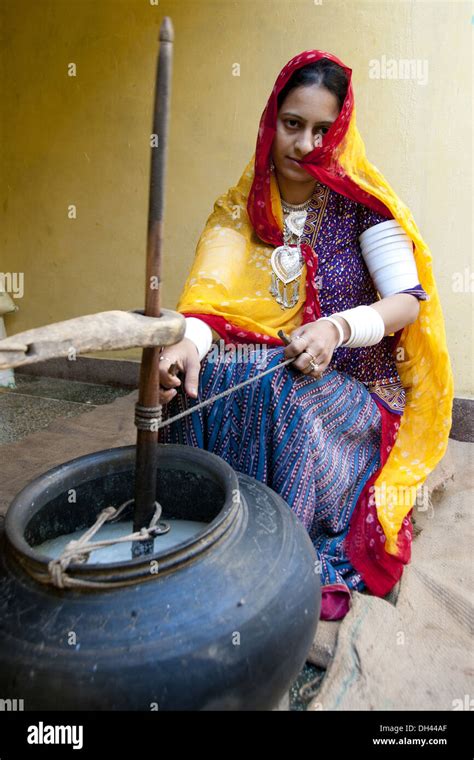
{"points": [[333, 225]]}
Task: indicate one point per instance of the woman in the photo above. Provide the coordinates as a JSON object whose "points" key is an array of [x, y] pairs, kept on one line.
{"points": [[350, 429]]}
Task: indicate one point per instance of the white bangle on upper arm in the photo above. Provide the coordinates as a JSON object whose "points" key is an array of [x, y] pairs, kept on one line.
{"points": [[200, 333], [390, 261]]}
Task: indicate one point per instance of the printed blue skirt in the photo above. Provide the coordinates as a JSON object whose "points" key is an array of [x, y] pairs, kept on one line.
{"points": [[316, 442]]}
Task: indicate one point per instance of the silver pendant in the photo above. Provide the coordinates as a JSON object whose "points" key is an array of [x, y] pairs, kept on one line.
{"points": [[287, 264], [295, 222]]}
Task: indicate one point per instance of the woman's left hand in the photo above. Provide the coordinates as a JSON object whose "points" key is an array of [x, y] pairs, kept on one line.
{"points": [[314, 341]]}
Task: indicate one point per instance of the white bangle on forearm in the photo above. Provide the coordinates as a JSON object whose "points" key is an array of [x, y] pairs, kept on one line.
{"points": [[200, 334], [366, 325], [336, 324]]}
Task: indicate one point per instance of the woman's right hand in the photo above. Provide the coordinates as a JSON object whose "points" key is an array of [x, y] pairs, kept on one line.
{"points": [[186, 356]]}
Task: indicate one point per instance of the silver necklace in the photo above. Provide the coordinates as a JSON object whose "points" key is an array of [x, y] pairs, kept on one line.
{"points": [[296, 206], [287, 260]]}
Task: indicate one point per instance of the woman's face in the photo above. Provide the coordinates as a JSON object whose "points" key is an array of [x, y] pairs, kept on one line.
{"points": [[303, 119]]}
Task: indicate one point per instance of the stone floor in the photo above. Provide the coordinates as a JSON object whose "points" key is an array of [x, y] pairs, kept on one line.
{"points": [[37, 401]]}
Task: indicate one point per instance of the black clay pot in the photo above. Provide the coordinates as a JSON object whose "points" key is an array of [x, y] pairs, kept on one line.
{"points": [[224, 624]]}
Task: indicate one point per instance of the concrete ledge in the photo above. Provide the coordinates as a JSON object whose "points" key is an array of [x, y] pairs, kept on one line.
{"points": [[463, 420], [122, 373]]}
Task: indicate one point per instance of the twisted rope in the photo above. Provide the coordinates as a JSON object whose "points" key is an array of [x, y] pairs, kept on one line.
{"points": [[211, 400], [78, 551]]}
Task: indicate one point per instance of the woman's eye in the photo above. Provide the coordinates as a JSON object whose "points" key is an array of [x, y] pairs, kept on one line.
{"points": [[293, 124]]}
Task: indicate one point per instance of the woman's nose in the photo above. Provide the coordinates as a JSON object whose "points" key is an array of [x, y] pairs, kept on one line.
{"points": [[305, 144]]}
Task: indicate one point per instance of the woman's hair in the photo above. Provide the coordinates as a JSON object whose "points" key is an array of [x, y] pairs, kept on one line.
{"points": [[325, 73]]}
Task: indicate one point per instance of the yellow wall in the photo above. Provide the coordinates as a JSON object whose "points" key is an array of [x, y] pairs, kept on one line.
{"points": [[85, 140]]}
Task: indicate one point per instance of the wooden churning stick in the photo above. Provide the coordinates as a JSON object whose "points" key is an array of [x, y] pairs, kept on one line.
{"points": [[148, 408]]}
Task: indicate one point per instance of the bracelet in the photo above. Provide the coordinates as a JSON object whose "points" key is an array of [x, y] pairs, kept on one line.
{"points": [[339, 328], [366, 324], [200, 334]]}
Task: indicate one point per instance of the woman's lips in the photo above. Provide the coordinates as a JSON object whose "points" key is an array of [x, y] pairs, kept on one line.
{"points": [[294, 161]]}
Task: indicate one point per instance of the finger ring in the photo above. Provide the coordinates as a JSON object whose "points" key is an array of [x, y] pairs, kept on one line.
{"points": [[162, 358], [314, 365], [309, 354], [297, 337]]}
